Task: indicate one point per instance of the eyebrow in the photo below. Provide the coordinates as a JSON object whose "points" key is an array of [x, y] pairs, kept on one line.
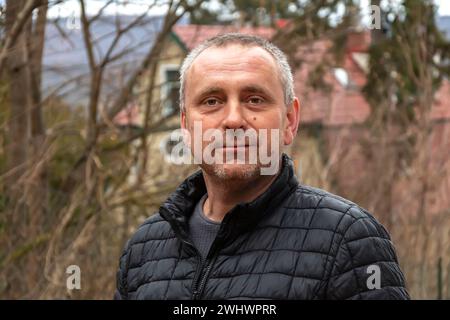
{"points": [[256, 89], [210, 90], [249, 88]]}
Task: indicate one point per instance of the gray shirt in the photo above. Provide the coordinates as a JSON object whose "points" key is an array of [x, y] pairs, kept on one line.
{"points": [[202, 230]]}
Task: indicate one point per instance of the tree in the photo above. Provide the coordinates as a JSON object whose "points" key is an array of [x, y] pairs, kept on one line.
{"points": [[21, 54], [66, 172], [408, 64]]}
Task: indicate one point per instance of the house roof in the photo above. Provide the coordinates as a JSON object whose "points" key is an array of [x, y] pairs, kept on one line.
{"points": [[441, 106], [128, 116], [192, 35], [343, 103], [341, 106]]}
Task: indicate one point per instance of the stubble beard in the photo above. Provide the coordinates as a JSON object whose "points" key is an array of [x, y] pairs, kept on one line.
{"points": [[232, 172]]}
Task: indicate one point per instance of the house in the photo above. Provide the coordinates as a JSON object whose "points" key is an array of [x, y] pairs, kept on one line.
{"points": [[339, 113]]}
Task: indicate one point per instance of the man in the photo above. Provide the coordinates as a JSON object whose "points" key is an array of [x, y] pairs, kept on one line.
{"points": [[231, 232]]}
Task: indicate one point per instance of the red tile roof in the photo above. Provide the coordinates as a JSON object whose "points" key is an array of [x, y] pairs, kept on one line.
{"points": [[192, 35], [129, 116], [343, 105], [441, 106], [340, 107]]}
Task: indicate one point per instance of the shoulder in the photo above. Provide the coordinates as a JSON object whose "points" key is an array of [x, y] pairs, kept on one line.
{"points": [[329, 211], [357, 243], [154, 228]]}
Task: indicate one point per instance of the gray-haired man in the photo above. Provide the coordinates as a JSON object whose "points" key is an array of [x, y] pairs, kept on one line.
{"points": [[231, 232]]}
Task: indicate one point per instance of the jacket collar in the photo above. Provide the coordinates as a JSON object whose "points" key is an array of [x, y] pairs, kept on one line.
{"points": [[178, 208]]}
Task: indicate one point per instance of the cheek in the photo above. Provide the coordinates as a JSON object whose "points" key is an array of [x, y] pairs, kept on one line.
{"points": [[271, 120], [275, 129]]}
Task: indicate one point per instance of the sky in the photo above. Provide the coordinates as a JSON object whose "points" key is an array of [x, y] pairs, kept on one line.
{"points": [[72, 7]]}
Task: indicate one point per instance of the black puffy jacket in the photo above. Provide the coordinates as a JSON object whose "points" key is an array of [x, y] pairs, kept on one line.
{"points": [[292, 242]]}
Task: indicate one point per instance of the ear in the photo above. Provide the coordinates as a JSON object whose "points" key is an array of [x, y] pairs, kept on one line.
{"points": [[183, 125], [183, 120], [292, 122]]}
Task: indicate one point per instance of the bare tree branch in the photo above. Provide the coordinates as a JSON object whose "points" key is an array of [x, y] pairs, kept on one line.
{"points": [[22, 17]]}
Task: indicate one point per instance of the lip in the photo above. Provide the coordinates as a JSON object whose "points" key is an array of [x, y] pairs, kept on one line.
{"points": [[235, 147]]}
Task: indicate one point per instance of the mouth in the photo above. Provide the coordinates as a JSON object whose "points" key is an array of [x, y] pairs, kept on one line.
{"points": [[243, 154], [236, 147]]}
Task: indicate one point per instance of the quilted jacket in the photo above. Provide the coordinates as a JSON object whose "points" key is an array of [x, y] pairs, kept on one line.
{"points": [[292, 242]]}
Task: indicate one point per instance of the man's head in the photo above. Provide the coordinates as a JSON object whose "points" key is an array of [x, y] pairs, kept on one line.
{"points": [[239, 82]]}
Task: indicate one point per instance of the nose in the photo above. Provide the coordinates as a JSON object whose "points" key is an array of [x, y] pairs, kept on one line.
{"points": [[234, 117]]}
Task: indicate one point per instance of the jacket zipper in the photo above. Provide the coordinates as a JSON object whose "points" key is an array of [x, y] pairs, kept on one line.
{"points": [[202, 277], [205, 269]]}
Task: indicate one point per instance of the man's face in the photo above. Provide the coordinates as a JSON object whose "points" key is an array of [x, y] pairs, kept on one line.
{"points": [[238, 87]]}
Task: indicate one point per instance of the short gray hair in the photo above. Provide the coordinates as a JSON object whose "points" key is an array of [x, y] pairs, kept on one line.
{"points": [[246, 40]]}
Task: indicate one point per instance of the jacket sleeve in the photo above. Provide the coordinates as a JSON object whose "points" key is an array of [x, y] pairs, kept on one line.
{"points": [[366, 265], [121, 280]]}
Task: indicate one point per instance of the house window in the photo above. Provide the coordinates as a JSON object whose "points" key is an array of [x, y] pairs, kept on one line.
{"points": [[170, 89]]}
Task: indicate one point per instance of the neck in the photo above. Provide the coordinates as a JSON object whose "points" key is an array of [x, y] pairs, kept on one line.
{"points": [[224, 195]]}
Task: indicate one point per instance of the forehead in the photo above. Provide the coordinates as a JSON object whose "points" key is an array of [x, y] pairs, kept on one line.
{"points": [[233, 58]]}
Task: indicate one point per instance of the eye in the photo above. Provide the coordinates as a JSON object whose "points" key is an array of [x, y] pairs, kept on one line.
{"points": [[211, 102], [255, 100]]}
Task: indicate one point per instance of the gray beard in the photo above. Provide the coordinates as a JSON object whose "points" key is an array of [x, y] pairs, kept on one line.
{"points": [[244, 172]]}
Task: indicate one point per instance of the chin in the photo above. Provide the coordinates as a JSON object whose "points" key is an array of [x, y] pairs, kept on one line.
{"points": [[233, 171]]}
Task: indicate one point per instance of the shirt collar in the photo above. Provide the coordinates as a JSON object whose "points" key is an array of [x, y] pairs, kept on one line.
{"points": [[180, 204]]}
